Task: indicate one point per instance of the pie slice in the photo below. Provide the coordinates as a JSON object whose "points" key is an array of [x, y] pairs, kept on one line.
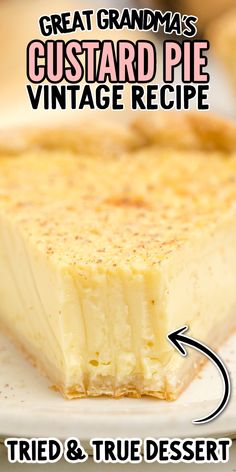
{"points": [[103, 255]]}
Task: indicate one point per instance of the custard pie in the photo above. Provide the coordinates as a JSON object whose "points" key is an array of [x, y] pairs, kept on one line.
{"points": [[103, 254]]}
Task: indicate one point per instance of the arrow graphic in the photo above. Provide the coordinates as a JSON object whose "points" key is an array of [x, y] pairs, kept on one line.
{"points": [[177, 339]]}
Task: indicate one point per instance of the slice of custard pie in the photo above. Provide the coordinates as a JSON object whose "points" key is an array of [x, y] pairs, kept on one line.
{"points": [[102, 254]]}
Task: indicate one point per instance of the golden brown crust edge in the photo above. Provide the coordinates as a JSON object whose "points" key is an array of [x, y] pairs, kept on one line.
{"points": [[90, 137], [202, 131]]}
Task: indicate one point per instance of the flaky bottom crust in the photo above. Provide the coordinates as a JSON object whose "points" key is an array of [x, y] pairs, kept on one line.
{"points": [[188, 369]]}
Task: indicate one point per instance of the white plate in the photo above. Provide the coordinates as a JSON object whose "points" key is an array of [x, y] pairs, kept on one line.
{"points": [[29, 407]]}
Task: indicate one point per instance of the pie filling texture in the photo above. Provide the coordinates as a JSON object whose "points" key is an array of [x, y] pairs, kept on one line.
{"points": [[112, 237]]}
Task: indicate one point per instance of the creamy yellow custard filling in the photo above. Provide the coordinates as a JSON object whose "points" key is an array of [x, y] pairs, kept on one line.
{"points": [[102, 256]]}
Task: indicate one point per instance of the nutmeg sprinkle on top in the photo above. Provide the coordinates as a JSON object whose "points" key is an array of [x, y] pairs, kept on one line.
{"points": [[135, 209]]}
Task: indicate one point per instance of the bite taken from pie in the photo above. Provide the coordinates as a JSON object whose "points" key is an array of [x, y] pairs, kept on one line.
{"points": [[106, 249]]}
